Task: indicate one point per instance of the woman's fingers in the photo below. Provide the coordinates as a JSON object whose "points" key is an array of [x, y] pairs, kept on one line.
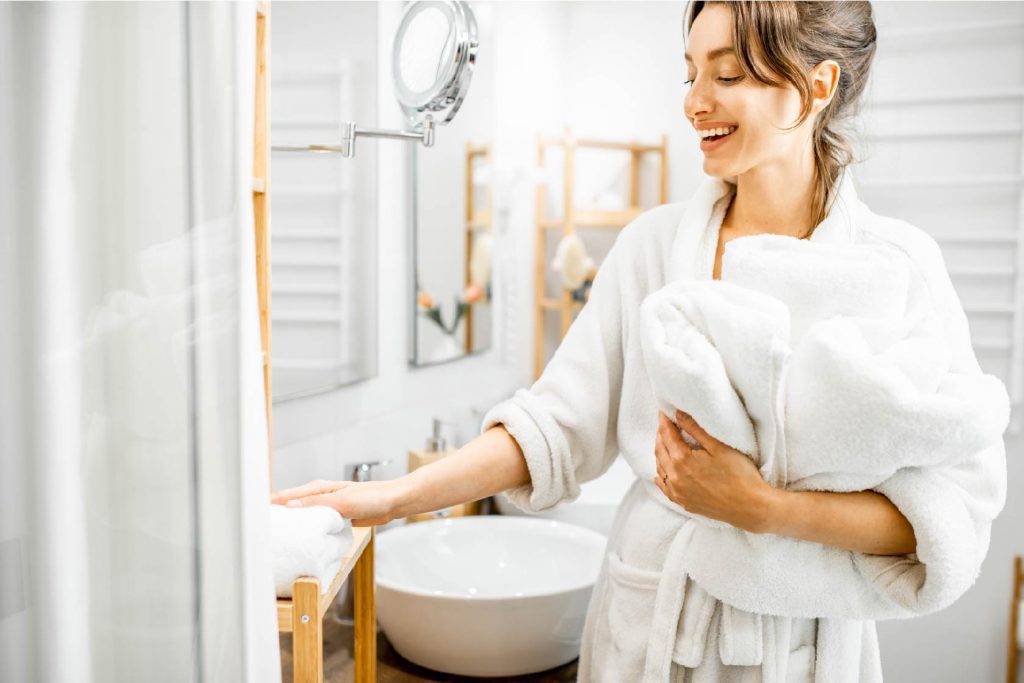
{"points": [[661, 455], [328, 499], [333, 501], [313, 488], [364, 503], [706, 441], [671, 437]]}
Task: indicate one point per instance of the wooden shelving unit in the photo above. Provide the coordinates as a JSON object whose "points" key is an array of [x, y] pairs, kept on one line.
{"points": [[302, 614], [576, 218], [477, 219]]}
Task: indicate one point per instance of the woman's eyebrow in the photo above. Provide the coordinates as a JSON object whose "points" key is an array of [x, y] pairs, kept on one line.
{"points": [[714, 54]]}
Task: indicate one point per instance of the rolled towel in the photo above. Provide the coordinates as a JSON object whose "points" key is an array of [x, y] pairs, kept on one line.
{"points": [[831, 369], [306, 542]]}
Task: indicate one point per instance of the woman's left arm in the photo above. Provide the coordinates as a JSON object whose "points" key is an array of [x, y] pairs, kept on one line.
{"points": [[722, 483]]}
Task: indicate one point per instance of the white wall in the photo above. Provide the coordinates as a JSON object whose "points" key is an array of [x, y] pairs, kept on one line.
{"points": [[383, 417], [610, 70], [968, 641]]}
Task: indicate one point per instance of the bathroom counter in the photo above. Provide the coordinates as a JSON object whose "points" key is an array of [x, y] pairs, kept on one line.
{"points": [[391, 667]]}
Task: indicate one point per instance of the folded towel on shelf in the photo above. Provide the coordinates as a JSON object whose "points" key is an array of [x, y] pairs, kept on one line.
{"points": [[827, 365], [306, 541]]}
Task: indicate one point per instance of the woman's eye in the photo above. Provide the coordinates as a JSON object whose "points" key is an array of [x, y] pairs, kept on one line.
{"points": [[724, 80]]}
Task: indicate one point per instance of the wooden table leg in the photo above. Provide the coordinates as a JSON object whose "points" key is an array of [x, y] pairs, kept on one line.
{"points": [[307, 632], [365, 614]]}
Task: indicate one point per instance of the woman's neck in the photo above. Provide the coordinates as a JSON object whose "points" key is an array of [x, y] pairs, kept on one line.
{"points": [[771, 201]]}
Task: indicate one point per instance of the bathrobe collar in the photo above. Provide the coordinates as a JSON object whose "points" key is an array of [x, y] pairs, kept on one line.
{"points": [[696, 240]]}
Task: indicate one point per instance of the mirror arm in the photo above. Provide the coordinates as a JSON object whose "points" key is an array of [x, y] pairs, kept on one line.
{"points": [[347, 148]]}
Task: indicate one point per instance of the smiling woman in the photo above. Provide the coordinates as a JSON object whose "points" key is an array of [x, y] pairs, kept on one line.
{"points": [[745, 67], [723, 564]]}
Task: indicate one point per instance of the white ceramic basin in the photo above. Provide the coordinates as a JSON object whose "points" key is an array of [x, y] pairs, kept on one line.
{"points": [[486, 595]]}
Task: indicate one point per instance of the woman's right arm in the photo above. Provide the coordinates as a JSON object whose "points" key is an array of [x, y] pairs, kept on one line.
{"points": [[487, 465], [538, 445]]}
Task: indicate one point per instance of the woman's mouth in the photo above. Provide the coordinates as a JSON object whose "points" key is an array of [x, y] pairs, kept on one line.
{"points": [[713, 142]]}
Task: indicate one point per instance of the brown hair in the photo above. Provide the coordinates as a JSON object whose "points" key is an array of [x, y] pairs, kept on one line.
{"points": [[790, 38]]}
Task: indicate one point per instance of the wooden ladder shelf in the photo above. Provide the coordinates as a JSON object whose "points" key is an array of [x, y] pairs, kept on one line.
{"points": [[575, 218], [302, 615]]}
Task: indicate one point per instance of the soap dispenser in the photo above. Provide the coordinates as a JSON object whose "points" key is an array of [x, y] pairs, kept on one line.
{"points": [[437, 448]]}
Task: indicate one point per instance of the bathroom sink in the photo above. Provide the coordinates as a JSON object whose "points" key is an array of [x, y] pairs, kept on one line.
{"points": [[486, 595]]}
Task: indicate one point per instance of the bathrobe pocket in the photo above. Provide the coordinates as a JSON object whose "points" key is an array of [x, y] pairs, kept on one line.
{"points": [[621, 646]]}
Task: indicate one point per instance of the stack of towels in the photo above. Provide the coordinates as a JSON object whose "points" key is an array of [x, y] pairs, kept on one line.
{"points": [[307, 541], [830, 367]]}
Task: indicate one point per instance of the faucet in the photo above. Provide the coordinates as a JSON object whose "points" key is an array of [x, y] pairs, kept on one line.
{"points": [[361, 470]]}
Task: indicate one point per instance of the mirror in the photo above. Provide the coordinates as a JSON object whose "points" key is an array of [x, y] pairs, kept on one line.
{"points": [[323, 256], [451, 216], [324, 210], [432, 59]]}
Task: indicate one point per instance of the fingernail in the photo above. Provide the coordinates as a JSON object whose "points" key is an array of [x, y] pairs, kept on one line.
{"points": [[294, 503]]}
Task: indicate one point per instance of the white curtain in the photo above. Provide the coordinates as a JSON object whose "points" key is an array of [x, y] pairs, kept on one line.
{"points": [[133, 488]]}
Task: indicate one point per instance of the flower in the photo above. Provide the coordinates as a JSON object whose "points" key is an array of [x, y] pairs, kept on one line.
{"points": [[474, 294]]}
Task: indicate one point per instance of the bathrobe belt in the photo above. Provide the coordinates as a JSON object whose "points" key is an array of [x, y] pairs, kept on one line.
{"points": [[683, 611]]}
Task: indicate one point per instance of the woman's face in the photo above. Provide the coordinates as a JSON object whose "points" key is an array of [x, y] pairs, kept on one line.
{"points": [[721, 95]]}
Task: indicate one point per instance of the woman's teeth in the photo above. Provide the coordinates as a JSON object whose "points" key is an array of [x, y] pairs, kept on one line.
{"points": [[715, 133]]}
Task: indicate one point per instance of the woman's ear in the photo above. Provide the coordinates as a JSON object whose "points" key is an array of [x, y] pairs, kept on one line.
{"points": [[824, 81]]}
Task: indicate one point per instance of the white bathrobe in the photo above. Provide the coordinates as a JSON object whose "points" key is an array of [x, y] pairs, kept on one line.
{"points": [[649, 619]]}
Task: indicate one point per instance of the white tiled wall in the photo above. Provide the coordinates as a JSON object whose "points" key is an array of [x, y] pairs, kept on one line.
{"points": [[944, 142]]}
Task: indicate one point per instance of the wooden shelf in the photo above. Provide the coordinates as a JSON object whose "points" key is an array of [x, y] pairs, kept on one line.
{"points": [[477, 219], [612, 220], [302, 614], [554, 305], [362, 536], [577, 218], [599, 144]]}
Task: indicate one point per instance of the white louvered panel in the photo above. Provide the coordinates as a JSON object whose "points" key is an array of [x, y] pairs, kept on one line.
{"points": [[946, 153], [312, 229]]}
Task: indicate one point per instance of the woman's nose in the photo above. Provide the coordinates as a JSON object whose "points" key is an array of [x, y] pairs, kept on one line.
{"points": [[696, 103]]}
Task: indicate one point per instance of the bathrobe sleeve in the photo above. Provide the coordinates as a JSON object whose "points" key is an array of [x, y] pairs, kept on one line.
{"points": [[565, 423], [952, 506]]}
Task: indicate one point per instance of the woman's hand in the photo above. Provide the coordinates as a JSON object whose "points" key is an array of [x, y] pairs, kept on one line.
{"points": [[714, 480], [366, 503]]}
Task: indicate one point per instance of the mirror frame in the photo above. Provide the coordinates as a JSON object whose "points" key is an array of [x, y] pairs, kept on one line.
{"points": [[450, 87]]}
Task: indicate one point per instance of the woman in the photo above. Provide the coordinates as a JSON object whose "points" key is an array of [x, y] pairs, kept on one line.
{"points": [[778, 78]]}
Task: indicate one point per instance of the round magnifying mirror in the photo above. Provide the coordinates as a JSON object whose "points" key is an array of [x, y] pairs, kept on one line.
{"points": [[433, 57]]}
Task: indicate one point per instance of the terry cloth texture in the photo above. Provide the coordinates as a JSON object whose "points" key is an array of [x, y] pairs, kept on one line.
{"points": [[655, 600]]}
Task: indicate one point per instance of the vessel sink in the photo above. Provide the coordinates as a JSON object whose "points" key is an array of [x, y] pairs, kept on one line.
{"points": [[486, 595]]}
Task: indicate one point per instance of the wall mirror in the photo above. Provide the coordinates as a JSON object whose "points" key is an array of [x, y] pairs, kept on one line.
{"points": [[324, 79], [323, 256], [450, 198]]}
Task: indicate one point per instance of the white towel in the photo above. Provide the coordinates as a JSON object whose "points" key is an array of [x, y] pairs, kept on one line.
{"points": [[827, 365], [307, 541]]}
